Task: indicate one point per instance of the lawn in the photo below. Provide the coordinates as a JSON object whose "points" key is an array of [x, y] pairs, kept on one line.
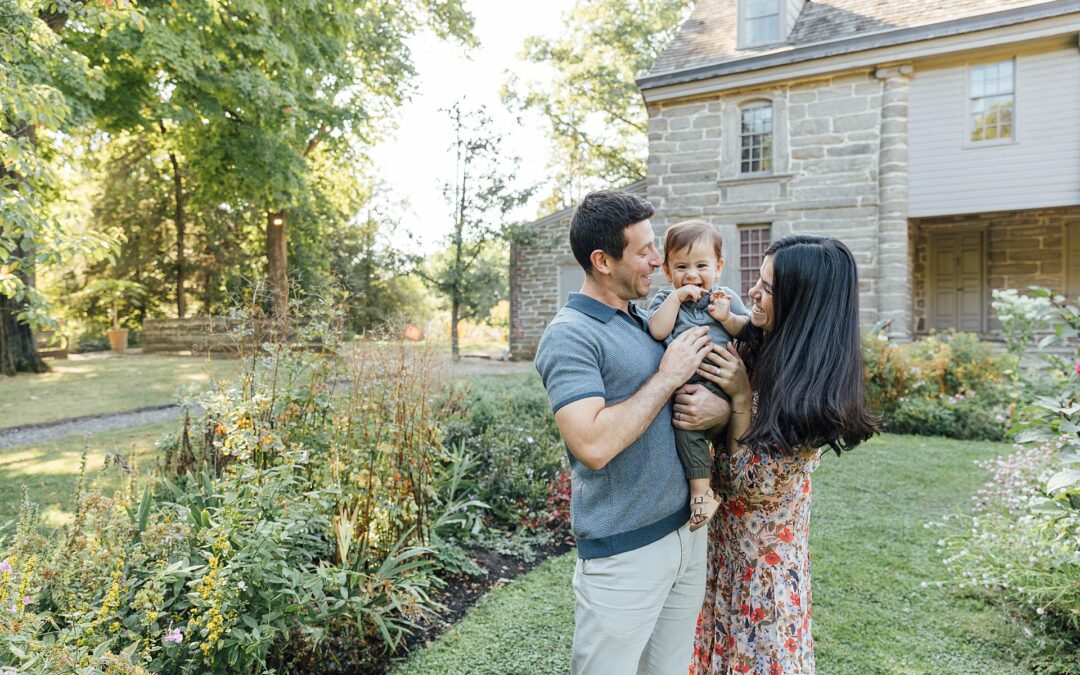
{"points": [[104, 384], [871, 554], [49, 470]]}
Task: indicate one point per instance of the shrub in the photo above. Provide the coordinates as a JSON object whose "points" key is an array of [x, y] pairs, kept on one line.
{"points": [[951, 385], [296, 526], [506, 424], [1021, 546]]}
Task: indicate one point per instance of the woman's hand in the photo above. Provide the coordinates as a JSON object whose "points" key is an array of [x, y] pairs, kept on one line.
{"points": [[696, 409], [724, 368]]}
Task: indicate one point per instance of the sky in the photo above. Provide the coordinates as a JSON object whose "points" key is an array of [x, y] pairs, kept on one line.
{"points": [[414, 160]]}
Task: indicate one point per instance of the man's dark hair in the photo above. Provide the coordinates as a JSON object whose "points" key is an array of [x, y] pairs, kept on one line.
{"points": [[600, 222]]}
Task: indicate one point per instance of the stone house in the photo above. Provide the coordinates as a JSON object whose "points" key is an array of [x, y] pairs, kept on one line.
{"points": [[939, 139]]}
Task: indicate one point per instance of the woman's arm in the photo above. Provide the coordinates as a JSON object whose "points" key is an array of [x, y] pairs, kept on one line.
{"points": [[724, 368]]}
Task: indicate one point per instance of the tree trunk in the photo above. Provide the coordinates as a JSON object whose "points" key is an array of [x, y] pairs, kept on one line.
{"points": [[277, 262], [17, 352], [181, 225], [455, 311]]}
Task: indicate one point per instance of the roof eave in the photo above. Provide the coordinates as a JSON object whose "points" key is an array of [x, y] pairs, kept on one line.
{"points": [[863, 42]]}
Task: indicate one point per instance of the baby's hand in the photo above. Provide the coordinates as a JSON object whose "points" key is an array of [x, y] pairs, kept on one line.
{"points": [[690, 292], [720, 305]]}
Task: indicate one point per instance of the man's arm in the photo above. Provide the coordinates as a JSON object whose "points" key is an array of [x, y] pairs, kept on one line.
{"points": [[596, 433]]}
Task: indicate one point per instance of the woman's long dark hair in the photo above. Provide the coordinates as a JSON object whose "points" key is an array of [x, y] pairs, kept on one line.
{"points": [[807, 372]]}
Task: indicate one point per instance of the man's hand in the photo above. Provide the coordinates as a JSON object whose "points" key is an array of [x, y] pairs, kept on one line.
{"points": [[690, 292], [696, 409], [720, 305], [725, 369], [684, 355]]}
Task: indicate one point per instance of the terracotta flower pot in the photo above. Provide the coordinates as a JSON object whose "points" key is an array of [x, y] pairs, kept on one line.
{"points": [[118, 339]]}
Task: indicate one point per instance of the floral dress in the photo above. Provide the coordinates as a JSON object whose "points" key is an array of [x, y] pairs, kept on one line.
{"points": [[756, 616]]}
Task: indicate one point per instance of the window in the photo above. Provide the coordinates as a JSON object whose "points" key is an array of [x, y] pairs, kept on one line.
{"points": [[756, 138], [760, 22], [753, 240], [992, 93]]}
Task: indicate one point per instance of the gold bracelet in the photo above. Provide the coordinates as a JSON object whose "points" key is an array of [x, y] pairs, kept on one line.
{"points": [[739, 412]]}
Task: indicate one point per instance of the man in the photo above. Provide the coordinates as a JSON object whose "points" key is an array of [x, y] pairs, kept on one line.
{"points": [[640, 577]]}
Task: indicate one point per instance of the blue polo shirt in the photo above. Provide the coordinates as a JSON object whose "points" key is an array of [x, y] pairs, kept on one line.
{"points": [[590, 349]]}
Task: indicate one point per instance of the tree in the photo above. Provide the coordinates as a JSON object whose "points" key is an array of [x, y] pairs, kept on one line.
{"points": [[597, 120], [481, 198], [254, 89], [44, 87]]}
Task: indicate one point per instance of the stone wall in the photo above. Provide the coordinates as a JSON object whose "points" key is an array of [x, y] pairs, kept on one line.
{"points": [[1023, 248], [534, 292], [839, 169]]}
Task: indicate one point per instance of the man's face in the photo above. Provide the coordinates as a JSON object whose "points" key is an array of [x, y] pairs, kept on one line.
{"points": [[632, 275]]}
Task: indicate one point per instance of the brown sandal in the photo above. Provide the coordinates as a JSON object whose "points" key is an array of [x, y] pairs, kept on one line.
{"points": [[702, 508]]}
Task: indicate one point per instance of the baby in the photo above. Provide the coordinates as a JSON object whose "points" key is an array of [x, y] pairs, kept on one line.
{"points": [[693, 258]]}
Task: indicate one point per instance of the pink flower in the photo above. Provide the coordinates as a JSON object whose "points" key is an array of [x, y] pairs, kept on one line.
{"points": [[1078, 368], [174, 636], [26, 600]]}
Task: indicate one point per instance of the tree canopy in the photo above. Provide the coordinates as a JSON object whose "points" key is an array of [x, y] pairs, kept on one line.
{"points": [[597, 120]]}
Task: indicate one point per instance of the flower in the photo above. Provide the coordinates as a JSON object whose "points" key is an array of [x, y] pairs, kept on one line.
{"points": [[26, 600], [241, 585], [744, 609], [1078, 368], [786, 535], [174, 636], [748, 574], [791, 645], [757, 615], [737, 509], [5, 566], [772, 558]]}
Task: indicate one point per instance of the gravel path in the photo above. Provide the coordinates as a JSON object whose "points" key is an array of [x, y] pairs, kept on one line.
{"points": [[88, 424], [50, 431]]}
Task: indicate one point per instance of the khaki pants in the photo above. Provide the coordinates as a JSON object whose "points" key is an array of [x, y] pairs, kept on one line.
{"points": [[635, 612]]}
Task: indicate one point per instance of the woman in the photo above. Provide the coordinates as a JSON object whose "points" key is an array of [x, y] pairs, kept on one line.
{"points": [[796, 385]]}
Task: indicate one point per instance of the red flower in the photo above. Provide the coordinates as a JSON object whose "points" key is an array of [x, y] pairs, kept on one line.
{"points": [[772, 558], [786, 535], [791, 645], [795, 600], [806, 485], [748, 574], [731, 642], [744, 609], [737, 509], [775, 669], [756, 459], [741, 668], [757, 615]]}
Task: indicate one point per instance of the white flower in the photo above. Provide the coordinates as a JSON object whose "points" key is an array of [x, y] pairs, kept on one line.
{"points": [[241, 585], [1040, 611]]}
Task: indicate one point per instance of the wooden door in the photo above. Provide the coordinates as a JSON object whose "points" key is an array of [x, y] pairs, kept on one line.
{"points": [[958, 281]]}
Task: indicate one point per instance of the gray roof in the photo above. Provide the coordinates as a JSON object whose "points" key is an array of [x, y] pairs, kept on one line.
{"points": [[708, 37]]}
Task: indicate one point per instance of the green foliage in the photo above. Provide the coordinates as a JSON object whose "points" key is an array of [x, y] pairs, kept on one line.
{"points": [[43, 86], [113, 294], [951, 385], [1020, 547], [505, 422], [598, 122], [292, 528]]}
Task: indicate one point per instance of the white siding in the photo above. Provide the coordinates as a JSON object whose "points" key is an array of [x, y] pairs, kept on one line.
{"points": [[1041, 169]]}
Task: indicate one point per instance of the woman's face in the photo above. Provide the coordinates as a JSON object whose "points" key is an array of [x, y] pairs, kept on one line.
{"points": [[762, 314]]}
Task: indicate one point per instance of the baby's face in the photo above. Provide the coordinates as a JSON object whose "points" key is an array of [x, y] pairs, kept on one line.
{"points": [[695, 266]]}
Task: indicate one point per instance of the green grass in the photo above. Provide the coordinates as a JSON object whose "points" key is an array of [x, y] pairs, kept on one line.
{"points": [[92, 386], [870, 554], [49, 470]]}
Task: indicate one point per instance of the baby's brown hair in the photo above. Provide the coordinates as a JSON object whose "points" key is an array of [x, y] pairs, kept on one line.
{"points": [[689, 232]]}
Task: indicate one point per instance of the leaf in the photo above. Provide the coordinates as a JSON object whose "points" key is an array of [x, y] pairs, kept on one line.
{"points": [[1063, 480], [144, 509]]}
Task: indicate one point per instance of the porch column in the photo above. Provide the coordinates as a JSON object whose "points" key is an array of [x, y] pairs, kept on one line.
{"points": [[893, 282]]}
